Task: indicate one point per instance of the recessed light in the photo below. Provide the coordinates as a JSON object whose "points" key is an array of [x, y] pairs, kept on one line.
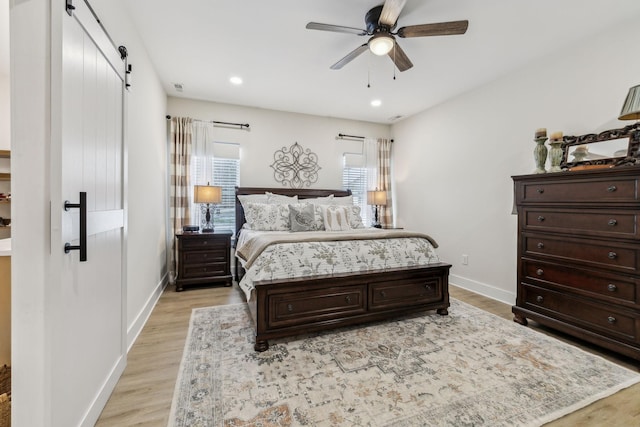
{"points": [[376, 103], [236, 80]]}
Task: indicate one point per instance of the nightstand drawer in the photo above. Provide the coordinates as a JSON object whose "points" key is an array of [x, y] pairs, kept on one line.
{"points": [[587, 313], [200, 257], [204, 270], [204, 242]]}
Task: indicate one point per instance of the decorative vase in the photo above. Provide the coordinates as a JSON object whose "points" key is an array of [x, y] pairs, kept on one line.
{"points": [[555, 155], [540, 154]]}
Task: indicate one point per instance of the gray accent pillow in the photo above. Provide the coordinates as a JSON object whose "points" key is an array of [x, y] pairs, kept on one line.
{"points": [[302, 217]]}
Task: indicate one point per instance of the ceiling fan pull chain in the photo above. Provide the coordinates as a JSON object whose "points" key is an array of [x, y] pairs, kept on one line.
{"points": [[394, 61], [368, 78]]}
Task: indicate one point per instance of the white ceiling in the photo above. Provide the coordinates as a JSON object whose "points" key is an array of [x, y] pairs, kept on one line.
{"points": [[201, 43]]}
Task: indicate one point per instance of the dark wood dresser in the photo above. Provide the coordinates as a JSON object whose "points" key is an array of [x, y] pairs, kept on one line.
{"points": [[579, 254], [203, 258]]}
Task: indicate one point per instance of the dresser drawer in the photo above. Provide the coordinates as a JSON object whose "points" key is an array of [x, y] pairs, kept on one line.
{"points": [[614, 288], [620, 224], [597, 253], [205, 270], [384, 295], [297, 308], [201, 257], [603, 190], [591, 315]]}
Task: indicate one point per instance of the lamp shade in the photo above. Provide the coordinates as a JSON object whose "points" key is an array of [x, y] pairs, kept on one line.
{"points": [[207, 194], [631, 107], [377, 198], [381, 44]]}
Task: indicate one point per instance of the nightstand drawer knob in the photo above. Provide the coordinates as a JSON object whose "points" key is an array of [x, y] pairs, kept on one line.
{"points": [[347, 299], [611, 319], [612, 188], [612, 255], [612, 222], [540, 190], [289, 308], [205, 242], [383, 294], [539, 272], [540, 299], [540, 245], [427, 287], [540, 218], [612, 287]]}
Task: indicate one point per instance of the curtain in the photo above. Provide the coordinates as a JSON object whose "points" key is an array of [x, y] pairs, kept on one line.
{"points": [[180, 151], [384, 180]]}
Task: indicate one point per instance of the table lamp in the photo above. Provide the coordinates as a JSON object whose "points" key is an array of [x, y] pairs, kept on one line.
{"points": [[376, 198], [207, 195]]}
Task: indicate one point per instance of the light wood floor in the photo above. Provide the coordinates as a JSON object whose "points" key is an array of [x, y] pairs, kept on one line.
{"points": [[143, 395]]}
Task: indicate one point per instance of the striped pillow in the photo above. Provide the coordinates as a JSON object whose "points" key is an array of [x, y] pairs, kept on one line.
{"points": [[336, 218]]}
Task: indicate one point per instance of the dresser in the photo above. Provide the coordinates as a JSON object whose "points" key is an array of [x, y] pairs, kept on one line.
{"points": [[203, 258], [579, 254]]}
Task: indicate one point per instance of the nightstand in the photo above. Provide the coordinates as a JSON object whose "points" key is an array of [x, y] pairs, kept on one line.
{"points": [[203, 258]]}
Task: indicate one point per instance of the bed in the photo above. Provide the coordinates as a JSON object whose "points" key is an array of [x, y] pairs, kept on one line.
{"points": [[311, 301]]}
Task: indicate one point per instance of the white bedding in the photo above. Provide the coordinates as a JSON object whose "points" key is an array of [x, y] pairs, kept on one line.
{"points": [[303, 259]]}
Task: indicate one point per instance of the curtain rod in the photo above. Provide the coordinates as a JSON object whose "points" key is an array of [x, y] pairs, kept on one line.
{"points": [[241, 125], [343, 136]]}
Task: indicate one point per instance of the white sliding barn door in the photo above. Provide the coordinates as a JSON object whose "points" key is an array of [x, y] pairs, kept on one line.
{"points": [[87, 307]]}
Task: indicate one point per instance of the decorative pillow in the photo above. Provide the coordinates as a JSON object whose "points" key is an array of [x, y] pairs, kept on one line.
{"points": [[355, 219], [342, 201], [302, 217], [327, 200], [251, 198], [280, 199], [336, 218], [267, 217]]}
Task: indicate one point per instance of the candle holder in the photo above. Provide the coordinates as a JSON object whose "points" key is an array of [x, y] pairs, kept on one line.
{"points": [[555, 155], [540, 154]]}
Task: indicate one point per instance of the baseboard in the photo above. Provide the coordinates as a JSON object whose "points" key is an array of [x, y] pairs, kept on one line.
{"points": [[483, 289], [142, 317], [100, 401]]}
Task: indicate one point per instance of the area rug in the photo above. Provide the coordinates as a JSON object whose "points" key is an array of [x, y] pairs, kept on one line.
{"points": [[469, 368]]}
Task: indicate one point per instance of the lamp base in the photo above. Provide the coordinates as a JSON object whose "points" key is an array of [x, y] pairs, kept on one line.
{"points": [[376, 226], [207, 230]]}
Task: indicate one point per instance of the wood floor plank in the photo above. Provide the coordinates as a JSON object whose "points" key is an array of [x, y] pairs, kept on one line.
{"points": [[143, 395]]}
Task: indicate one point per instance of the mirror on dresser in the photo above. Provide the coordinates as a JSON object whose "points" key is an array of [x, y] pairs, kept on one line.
{"points": [[601, 150]]}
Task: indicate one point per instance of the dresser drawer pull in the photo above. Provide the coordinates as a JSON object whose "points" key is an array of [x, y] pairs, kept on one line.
{"points": [[540, 245], [383, 294], [204, 242], [539, 272], [612, 255], [611, 319], [612, 288], [427, 287], [289, 308], [612, 188], [612, 222], [540, 190], [540, 218], [347, 299], [540, 299]]}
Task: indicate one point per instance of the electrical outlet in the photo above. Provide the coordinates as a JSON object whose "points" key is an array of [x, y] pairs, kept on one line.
{"points": [[465, 259]]}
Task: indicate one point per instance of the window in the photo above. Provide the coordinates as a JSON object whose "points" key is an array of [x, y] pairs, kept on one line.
{"points": [[223, 171], [354, 178]]}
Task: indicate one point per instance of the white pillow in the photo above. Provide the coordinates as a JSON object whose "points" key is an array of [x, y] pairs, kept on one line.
{"points": [[342, 201], [280, 199], [267, 217], [336, 218], [355, 220], [251, 198], [320, 200]]}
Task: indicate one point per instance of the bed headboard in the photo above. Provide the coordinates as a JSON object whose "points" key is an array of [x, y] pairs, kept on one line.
{"points": [[302, 193]]}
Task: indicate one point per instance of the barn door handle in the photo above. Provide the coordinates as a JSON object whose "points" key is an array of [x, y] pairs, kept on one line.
{"points": [[82, 247]]}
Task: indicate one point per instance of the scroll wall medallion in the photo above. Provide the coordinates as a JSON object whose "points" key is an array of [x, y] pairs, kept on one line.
{"points": [[295, 166]]}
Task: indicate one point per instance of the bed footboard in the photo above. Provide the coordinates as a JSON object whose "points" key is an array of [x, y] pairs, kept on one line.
{"points": [[300, 306]]}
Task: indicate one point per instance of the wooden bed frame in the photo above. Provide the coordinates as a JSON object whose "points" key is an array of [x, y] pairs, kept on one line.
{"points": [[282, 308]]}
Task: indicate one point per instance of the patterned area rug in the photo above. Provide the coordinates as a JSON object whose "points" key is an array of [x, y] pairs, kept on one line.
{"points": [[470, 368]]}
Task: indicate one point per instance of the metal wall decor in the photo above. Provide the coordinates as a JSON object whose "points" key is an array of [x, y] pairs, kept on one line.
{"points": [[295, 166]]}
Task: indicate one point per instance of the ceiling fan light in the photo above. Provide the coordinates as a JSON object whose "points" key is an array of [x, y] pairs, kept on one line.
{"points": [[381, 44]]}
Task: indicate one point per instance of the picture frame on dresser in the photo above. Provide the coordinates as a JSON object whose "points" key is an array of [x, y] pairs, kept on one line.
{"points": [[610, 148]]}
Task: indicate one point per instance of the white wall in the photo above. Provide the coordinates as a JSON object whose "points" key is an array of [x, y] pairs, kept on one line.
{"points": [[147, 169], [453, 162], [271, 130], [5, 121]]}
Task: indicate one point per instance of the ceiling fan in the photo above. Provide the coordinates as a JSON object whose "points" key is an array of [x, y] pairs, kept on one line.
{"points": [[380, 23]]}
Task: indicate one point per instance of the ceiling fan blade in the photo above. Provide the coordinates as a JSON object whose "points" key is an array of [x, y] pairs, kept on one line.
{"points": [[400, 58], [350, 57], [335, 28], [438, 29], [390, 12]]}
